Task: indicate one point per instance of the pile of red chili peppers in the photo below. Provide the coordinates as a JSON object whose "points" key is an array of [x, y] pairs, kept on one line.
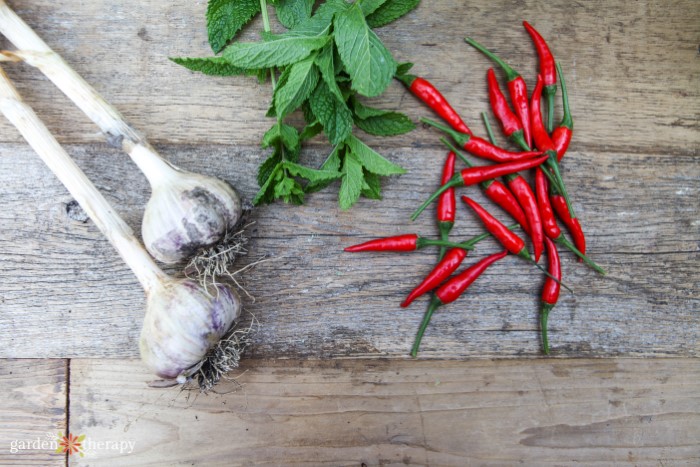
{"points": [[541, 146]]}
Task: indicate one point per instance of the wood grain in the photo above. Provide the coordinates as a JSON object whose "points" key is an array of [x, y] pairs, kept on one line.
{"points": [[639, 212], [379, 412], [631, 67], [33, 411]]}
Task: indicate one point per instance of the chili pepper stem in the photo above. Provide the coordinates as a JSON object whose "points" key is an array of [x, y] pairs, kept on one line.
{"points": [[561, 239], [434, 304], [518, 137], [549, 92], [566, 120], [526, 255], [444, 229], [511, 74], [460, 138], [489, 130], [423, 242], [457, 152], [454, 182], [544, 316], [554, 165]]}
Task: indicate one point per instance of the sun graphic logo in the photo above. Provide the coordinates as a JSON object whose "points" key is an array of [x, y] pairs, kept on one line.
{"points": [[70, 444]]}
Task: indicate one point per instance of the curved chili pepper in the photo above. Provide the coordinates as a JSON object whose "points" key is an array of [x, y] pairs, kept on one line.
{"points": [[544, 143], [496, 191], [428, 94], [549, 223], [480, 147], [561, 137], [572, 223], [447, 204], [516, 88], [500, 232], [547, 70], [474, 175], [440, 272], [550, 291], [523, 193], [406, 242], [451, 290], [510, 123]]}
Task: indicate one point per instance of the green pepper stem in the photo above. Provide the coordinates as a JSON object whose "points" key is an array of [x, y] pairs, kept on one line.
{"points": [[544, 315], [526, 254], [407, 80], [444, 228], [554, 165], [511, 74], [549, 92], [489, 130], [434, 304], [460, 138], [454, 182], [564, 241], [457, 152], [566, 120], [518, 137]]}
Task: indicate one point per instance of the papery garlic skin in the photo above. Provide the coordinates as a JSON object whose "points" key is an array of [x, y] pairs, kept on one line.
{"points": [[186, 213], [183, 322]]}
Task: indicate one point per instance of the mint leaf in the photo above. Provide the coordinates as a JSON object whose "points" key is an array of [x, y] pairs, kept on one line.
{"points": [[213, 66], [386, 124], [370, 159], [369, 6], [283, 51], [369, 64], [266, 192], [310, 130], [293, 12], [332, 163], [266, 168], [371, 187], [390, 11], [289, 190], [312, 175], [351, 187], [325, 63], [299, 81], [226, 17], [285, 135], [332, 113]]}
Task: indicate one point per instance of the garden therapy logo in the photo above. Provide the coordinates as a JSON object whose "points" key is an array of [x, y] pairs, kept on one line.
{"points": [[70, 444]]}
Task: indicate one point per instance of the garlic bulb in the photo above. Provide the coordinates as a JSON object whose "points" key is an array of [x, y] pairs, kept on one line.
{"points": [[186, 212], [183, 322]]}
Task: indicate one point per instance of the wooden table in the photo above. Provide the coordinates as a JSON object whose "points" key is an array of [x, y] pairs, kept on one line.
{"points": [[328, 380]]}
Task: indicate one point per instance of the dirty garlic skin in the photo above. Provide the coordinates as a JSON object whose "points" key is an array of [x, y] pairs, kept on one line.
{"points": [[187, 212], [182, 323]]}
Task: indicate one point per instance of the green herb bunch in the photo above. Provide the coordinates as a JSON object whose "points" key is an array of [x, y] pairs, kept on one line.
{"points": [[322, 63]]}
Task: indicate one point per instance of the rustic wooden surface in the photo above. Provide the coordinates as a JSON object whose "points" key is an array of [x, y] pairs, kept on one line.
{"points": [[633, 168], [634, 76]]}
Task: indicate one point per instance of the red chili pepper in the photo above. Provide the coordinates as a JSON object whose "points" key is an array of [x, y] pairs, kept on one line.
{"points": [[428, 94], [510, 123], [550, 291], [447, 204], [451, 290], [549, 223], [406, 242], [496, 192], [547, 70], [440, 272], [474, 175], [482, 148], [572, 223], [523, 193], [516, 88], [561, 137], [544, 143], [500, 232]]}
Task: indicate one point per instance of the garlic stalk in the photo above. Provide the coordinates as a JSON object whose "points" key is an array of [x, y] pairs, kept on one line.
{"points": [[186, 211], [183, 320]]}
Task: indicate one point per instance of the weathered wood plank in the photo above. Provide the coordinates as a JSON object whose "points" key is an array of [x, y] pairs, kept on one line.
{"points": [[65, 292], [376, 412], [33, 411], [631, 67]]}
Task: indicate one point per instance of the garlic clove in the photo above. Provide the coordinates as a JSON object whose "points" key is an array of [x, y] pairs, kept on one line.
{"points": [[183, 322], [188, 212]]}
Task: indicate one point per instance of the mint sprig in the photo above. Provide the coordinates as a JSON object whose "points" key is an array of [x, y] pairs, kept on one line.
{"points": [[322, 64]]}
